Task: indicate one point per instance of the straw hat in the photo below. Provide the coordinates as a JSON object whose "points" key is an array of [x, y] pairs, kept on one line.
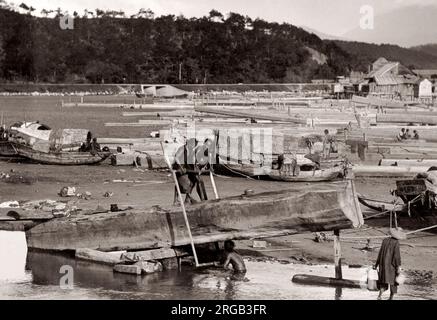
{"points": [[398, 233]]}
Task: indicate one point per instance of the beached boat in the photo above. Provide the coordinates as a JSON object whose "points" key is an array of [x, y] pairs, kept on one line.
{"points": [[328, 174], [312, 175], [6, 149], [380, 205], [320, 207], [61, 157]]}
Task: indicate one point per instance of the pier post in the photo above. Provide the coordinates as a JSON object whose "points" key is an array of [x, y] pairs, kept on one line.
{"points": [[337, 255]]}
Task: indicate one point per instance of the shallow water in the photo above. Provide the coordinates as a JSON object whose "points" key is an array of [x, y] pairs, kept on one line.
{"points": [[31, 275]]}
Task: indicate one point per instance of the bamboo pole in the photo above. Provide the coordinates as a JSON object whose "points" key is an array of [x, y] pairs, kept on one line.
{"points": [[184, 212], [214, 187]]}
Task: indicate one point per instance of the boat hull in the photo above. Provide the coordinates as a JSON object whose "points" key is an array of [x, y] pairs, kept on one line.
{"points": [[301, 209], [310, 176], [322, 175], [6, 149], [61, 158]]}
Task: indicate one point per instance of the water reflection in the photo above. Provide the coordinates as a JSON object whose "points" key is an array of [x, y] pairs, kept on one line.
{"points": [[267, 280], [13, 250]]}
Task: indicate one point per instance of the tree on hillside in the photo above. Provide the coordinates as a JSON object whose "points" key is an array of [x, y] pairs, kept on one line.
{"points": [[2, 55], [216, 16]]}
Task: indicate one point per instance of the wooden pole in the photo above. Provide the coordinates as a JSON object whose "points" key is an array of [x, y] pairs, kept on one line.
{"points": [[337, 255], [184, 212], [214, 187]]}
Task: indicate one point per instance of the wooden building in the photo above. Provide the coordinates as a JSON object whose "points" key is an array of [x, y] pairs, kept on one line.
{"points": [[391, 80]]}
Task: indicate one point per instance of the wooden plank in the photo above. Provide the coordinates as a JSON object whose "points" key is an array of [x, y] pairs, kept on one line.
{"points": [[128, 140], [144, 123], [409, 163], [379, 171], [248, 114], [377, 102], [98, 256], [157, 254], [128, 269], [406, 118], [324, 281]]}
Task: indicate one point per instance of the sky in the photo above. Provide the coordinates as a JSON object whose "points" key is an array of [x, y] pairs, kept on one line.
{"points": [[334, 17]]}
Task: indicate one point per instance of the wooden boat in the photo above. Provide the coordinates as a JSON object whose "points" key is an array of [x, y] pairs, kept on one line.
{"points": [[321, 207], [329, 174], [320, 175], [61, 158], [379, 205], [6, 149]]}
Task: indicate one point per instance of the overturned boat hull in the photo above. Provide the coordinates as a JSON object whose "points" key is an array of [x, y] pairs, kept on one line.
{"points": [[322, 207], [61, 158]]}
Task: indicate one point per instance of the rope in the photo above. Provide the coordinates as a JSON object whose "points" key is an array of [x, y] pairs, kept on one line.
{"points": [[376, 215], [383, 237], [239, 173]]}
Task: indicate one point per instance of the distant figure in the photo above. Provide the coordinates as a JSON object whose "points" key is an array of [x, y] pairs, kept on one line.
{"points": [[309, 145], [3, 133], [401, 135], [416, 135], [389, 263], [407, 134], [232, 258], [287, 165], [95, 146], [327, 144]]}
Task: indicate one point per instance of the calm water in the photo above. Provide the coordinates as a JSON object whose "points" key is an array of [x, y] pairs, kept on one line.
{"points": [[29, 275]]}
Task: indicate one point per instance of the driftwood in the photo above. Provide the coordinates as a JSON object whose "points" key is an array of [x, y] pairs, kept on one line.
{"points": [[325, 281]]}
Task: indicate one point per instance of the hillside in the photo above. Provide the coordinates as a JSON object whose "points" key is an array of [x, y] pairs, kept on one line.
{"points": [[166, 49], [366, 53], [427, 48]]}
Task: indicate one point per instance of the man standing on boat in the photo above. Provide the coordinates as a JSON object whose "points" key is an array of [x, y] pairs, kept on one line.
{"points": [[389, 263], [327, 144]]}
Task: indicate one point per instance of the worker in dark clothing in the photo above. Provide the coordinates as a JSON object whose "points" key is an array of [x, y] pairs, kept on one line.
{"points": [[188, 173], [3, 133], [416, 135], [388, 263], [95, 146]]}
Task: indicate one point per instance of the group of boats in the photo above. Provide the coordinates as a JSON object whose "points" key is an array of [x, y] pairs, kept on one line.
{"points": [[330, 203]]}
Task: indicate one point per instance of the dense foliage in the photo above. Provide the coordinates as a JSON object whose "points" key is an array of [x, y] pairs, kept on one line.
{"points": [[427, 48], [415, 59], [107, 47]]}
